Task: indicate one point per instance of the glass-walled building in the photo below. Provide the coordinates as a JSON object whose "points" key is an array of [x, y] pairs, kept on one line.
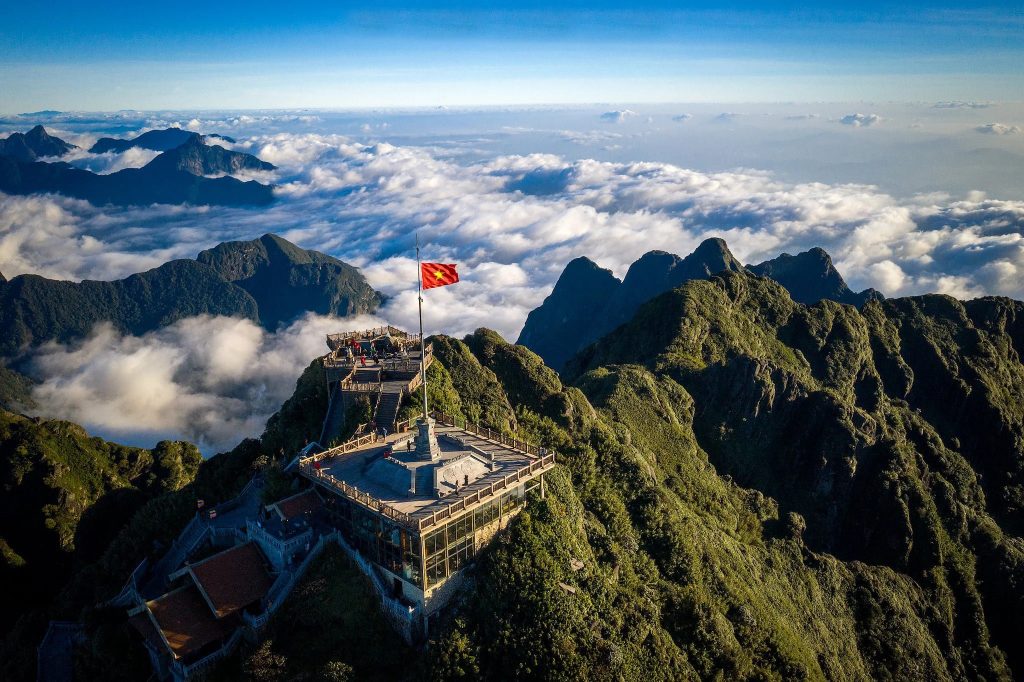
{"points": [[424, 560]]}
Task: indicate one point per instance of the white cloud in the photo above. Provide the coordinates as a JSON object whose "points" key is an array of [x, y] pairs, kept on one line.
{"points": [[680, 118], [111, 162], [212, 380], [618, 116], [860, 120], [962, 105], [998, 129]]}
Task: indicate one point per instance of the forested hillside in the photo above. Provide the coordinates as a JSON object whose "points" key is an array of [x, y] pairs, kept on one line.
{"points": [[756, 488]]}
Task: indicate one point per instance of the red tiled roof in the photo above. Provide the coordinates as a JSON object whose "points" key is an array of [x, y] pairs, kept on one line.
{"points": [[233, 579], [297, 505], [186, 621]]}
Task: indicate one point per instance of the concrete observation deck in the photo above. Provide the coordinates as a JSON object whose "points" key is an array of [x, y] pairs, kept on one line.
{"points": [[471, 466]]}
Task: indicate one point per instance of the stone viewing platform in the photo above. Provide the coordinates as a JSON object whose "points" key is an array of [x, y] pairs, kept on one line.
{"points": [[386, 475]]}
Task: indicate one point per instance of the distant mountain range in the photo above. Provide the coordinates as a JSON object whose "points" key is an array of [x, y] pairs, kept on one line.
{"points": [[268, 280], [155, 140], [176, 176], [588, 301]]}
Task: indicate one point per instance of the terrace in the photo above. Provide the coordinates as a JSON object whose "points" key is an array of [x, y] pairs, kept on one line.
{"points": [[472, 465]]}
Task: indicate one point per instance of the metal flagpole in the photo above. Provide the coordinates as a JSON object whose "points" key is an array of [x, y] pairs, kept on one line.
{"points": [[423, 348]]}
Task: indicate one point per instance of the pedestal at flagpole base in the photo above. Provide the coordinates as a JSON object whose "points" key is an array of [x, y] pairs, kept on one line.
{"points": [[427, 448]]}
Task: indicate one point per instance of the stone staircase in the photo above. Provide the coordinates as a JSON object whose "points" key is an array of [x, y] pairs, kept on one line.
{"points": [[387, 410], [367, 375]]}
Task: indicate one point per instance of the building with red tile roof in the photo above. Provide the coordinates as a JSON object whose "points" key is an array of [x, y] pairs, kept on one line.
{"points": [[233, 579], [183, 622], [298, 505]]}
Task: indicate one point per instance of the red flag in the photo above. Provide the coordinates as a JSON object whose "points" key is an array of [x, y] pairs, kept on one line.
{"points": [[438, 274]]}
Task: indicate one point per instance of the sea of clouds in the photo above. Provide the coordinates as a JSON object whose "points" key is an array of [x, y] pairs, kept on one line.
{"points": [[511, 219]]}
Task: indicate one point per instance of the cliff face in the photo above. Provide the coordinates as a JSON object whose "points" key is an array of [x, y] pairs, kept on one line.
{"points": [[588, 302], [556, 328]]}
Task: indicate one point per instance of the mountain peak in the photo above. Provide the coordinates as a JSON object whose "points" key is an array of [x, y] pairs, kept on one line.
{"points": [[276, 272], [198, 158], [28, 147], [713, 245], [582, 290], [810, 277], [233, 279], [580, 264], [713, 255]]}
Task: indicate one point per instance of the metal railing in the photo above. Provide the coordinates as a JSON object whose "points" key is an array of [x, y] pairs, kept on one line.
{"points": [[488, 434], [356, 495], [373, 333], [536, 466]]}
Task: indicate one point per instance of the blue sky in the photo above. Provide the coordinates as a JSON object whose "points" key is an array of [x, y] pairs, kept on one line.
{"points": [[104, 56]]}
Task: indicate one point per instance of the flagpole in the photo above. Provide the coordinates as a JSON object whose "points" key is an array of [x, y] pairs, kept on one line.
{"points": [[423, 348]]}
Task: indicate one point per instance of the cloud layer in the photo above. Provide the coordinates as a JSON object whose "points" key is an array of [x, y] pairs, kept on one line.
{"points": [[212, 380], [512, 221]]}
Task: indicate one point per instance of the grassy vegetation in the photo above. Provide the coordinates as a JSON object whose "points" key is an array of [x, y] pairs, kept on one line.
{"points": [[55, 470], [15, 390]]}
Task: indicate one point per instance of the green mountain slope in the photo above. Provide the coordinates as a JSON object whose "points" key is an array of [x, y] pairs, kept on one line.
{"points": [[757, 490], [747, 499], [65, 495], [277, 274], [588, 302], [34, 309], [268, 280]]}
